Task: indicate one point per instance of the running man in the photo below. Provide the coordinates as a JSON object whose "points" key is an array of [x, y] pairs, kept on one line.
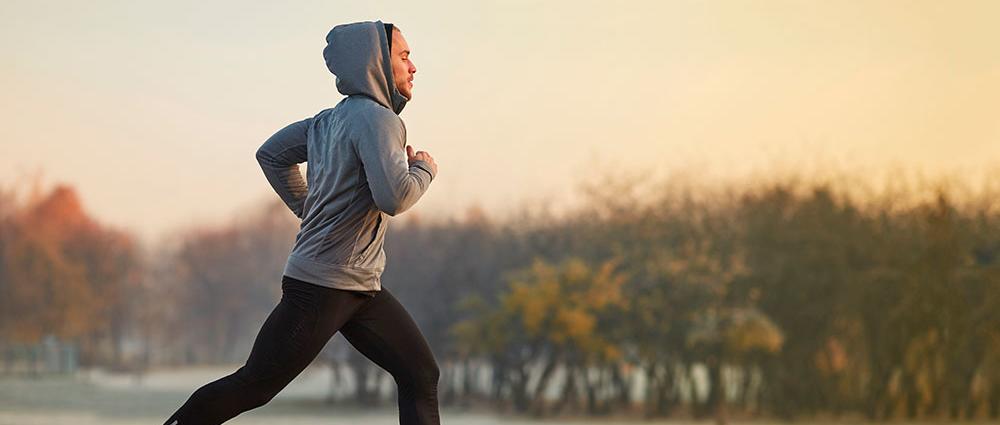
{"points": [[360, 172]]}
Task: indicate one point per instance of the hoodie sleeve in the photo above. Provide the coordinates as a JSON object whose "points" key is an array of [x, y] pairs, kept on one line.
{"points": [[394, 184], [279, 157]]}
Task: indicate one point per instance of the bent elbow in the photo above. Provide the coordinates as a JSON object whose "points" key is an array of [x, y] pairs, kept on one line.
{"points": [[395, 202], [390, 212], [390, 207], [263, 156]]}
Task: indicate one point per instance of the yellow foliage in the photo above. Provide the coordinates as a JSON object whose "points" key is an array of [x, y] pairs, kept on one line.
{"points": [[574, 323], [558, 303]]}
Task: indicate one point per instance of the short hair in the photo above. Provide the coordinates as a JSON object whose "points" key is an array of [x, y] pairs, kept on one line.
{"points": [[388, 33]]}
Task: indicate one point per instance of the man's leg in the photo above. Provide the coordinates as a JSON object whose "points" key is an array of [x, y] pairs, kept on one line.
{"points": [[292, 336], [384, 332]]}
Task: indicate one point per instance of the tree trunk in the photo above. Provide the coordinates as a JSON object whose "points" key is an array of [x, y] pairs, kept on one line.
{"points": [[652, 397], [699, 408], [569, 394], [335, 380], [361, 368], [591, 392], [623, 387], [538, 403], [446, 389], [469, 373], [519, 389], [716, 392], [499, 380]]}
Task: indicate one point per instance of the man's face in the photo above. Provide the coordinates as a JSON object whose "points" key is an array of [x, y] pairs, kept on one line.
{"points": [[402, 67]]}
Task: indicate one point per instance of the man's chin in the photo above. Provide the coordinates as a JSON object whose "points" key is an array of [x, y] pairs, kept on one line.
{"points": [[407, 92]]}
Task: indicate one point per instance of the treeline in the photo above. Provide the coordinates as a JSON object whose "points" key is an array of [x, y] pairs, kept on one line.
{"points": [[787, 299], [64, 274], [197, 297]]}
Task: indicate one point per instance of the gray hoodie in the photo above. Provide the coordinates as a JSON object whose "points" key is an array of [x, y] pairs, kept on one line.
{"points": [[357, 170]]}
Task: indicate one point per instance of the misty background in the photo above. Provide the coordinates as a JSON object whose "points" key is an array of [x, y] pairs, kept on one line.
{"points": [[647, 210]]}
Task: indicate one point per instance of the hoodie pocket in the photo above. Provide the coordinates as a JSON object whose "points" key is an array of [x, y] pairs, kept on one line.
{"points": [[373, 242]]}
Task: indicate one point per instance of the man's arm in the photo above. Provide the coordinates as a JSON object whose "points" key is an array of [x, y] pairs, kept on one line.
{"points": [[279, 157], [395, 184]]}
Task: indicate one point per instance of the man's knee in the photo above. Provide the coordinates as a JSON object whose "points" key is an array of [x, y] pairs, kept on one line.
{"points": [[259, 392], [260, 395], [425, 376], [422, 377], [433, 372], [260, 386]]}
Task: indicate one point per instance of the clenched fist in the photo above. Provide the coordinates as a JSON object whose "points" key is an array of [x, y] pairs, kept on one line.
{"points": [[420, 156]]}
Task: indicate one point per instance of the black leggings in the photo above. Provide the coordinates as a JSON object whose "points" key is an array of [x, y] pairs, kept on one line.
{"points": [[307, 316]]}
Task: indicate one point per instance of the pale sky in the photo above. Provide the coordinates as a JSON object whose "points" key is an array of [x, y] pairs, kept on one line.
{"points": [[153, 110]]}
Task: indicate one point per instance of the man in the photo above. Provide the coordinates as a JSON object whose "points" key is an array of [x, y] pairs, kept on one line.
{"points": [[357, 176]]}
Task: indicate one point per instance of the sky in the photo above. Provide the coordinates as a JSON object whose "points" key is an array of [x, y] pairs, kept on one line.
{"points": [[154, 110]]}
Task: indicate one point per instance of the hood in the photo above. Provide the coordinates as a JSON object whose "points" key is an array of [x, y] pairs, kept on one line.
{"points": [[358, 54]]}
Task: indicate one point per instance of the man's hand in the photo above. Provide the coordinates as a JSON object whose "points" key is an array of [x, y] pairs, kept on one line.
{"points": [[420, 156]]}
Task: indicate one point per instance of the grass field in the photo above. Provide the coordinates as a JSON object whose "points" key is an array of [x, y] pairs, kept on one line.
{"points": [[94, 397]]}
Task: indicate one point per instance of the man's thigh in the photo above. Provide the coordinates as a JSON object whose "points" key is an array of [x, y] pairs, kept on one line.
{"points": [[297, 330], [384, 332]]}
